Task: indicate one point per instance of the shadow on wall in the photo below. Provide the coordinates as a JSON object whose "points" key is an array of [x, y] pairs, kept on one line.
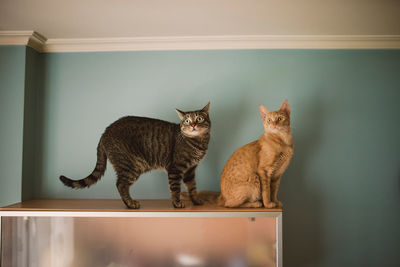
{"points": [[35, 72], [40, 123], [399, 178], [303, 205]]}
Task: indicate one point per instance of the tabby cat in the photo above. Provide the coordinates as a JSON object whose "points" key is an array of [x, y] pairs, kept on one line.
{"points": [[135, 145], [252, 175]]}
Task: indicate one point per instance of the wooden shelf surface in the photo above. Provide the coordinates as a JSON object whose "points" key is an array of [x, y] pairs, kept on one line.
{"points": [[116, 205]]}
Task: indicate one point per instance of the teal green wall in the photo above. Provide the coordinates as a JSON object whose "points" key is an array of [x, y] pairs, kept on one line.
{"points": [[12, 78], [21, 77], [341, 192]]}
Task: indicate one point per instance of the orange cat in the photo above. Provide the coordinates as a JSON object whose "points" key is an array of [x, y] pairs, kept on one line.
{"points": [[252, 174]]}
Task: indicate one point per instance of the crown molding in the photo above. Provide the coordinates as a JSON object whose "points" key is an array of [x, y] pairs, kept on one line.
{"points": [[37, 42], [28, 38], [225, 43], [42, 44]]}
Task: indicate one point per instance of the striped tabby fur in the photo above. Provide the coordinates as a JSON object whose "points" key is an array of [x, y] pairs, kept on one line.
{"points": [[135, 145]]}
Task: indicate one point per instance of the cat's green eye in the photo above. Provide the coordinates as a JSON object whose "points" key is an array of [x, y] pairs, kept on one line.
{"points": [[187, 121], [199, 119], [279, 118], [269, 120]]}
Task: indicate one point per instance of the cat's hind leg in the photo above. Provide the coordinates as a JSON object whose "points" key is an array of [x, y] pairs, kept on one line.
{"points": [[236, 198], [123, 184], [248, 195], [234, 202], [245, 198], [127, 175], [255, 204]]}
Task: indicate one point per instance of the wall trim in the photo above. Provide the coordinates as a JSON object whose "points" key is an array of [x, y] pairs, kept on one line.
{"points": [[224, 43], [28, 38], [42, 44], [37, 42]]}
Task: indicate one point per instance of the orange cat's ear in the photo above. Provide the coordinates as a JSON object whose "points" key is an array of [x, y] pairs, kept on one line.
{"points": [[263, 111], [285, 107]]}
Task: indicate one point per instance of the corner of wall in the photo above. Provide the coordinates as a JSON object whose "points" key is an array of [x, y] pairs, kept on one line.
{"points": [[34, 84]]}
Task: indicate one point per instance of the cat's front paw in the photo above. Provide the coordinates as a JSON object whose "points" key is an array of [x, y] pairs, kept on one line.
{"points": [[178, 204], [132, 204], [270, 205], [278, 204], [196, 200]]}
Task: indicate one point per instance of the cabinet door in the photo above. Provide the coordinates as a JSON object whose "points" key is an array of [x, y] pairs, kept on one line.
{"points": [[86, 241]]}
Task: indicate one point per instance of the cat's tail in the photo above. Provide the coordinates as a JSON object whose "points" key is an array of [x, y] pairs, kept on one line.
{"points": [[221, 200], [207, 197], [96, 174]]}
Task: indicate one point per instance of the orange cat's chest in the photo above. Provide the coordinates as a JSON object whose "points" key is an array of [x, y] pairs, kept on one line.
{"points": [[269, 155], [274, 157]]}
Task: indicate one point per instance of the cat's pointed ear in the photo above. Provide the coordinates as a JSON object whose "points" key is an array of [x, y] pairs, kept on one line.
{"points": [[263, 111], [206, 108], [181, 114], [285, 107]]}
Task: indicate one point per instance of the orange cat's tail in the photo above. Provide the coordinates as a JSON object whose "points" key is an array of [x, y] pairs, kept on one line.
{"points": [[208, 197]]}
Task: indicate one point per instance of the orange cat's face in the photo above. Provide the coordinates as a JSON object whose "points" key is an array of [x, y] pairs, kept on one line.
{"points": [[276, 121]]}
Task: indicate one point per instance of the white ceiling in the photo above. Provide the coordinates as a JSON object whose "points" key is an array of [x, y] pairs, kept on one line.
{"points": [[148, 18]]}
